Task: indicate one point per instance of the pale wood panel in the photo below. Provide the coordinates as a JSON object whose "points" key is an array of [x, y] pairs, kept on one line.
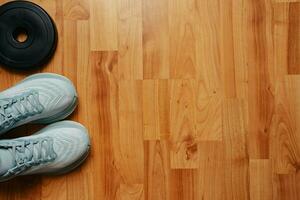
{"points": [[183, 136], [49, 6], [209, 115], [130, 39], [280, 38], [56, 63], [260, 172], [70, 50], [227, 59], [211, 174], [76, 10], [182, 25], [130, 156], [155, 109], [236, 158], [236, 13], [164, 108], [130, 192], [156, 39], [157, 170], [151, 110], [259, 60], [208, 45], [285, 141], [103, 25]]}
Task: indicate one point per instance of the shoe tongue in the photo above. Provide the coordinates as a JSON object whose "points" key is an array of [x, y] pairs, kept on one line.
{"points": [[6, 161]]}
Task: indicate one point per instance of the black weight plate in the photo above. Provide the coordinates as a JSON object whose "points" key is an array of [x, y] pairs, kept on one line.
{"points": [[18, 17]]}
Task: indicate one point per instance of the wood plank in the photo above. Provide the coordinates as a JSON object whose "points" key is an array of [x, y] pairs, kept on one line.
{"points": [[211, 173], [55, 65], [164, 108], [260, 75], [70, 50], [103, 25], [280, 38], [157, 170], [129, 152], [76, 10], [26, 186], [130, 192], [54, 188], [208, 115], [7, 190], [260, 179], [294, 39], [105, 130], [184, 184], [285, 143], [183, 137], [182, 23], [208, 45], [155, 109], [240, 45], [130, 40], [285, 1], [156, 39], [150, 110], [287, 186], [236, 157], [227, 59]]}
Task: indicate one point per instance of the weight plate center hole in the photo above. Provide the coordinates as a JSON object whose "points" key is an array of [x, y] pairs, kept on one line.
{"points": [[20, 34]]}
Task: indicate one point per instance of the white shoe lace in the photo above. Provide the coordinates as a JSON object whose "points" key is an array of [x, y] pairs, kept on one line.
{"points": [[20, 107]]}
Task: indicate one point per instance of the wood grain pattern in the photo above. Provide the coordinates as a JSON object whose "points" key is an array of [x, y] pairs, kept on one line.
{"points": [[130, 40], [286, 140], [261, 87], [184, 100], [76, 10], [130, 160], [182, 21], [236, 158], [182, 124], [157, 170], [156, 42], [209, 118], [260, 179], [211, 174], [207, 21], [104, 28], [294, 38]]}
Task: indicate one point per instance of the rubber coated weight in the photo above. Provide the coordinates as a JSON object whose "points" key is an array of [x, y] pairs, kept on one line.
{"points": [[23, 18]]}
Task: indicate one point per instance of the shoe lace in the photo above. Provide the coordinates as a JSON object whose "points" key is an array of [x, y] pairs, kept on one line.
{"points": [[29, 153], [20, 107]]}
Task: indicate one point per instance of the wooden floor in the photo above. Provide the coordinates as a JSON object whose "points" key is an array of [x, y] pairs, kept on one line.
{"points": [[184, 99]]}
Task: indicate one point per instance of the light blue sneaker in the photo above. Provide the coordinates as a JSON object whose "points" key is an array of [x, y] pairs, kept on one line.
{"points": [[41, 98], [54, 150]]}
